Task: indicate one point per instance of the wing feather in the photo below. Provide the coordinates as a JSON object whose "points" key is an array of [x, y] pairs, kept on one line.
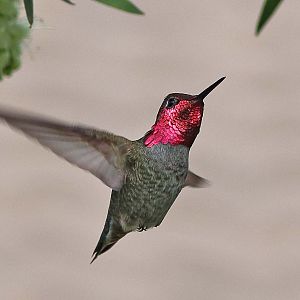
{"points": [[99, 152], [195, 181]]}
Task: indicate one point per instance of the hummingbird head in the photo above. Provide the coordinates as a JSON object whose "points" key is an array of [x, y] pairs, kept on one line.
{"points": [[179, 118]]}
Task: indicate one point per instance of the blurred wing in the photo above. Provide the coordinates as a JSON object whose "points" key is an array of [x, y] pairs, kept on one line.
{"points": [[195, 181], [99, 152]]}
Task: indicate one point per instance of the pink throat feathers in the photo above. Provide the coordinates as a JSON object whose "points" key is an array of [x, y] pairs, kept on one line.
{"points": [[177, 126]]}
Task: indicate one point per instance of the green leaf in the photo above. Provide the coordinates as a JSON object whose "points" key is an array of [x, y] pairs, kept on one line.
{"points": [[29, 10], [123, 5], [268, 9], [68, 1]]}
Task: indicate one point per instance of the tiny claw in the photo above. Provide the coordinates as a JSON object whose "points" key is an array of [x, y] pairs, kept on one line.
{"points": [[141, 228]]}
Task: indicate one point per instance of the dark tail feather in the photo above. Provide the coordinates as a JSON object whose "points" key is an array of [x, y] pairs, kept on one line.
{"points": [[100, 251], [111, 233]]}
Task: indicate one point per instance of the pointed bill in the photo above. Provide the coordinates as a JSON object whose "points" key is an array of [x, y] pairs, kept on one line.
{"points": [[203, 94], [99, 152]]}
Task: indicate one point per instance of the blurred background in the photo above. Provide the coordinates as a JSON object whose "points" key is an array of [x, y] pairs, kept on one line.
{"points": [[238, 239]]}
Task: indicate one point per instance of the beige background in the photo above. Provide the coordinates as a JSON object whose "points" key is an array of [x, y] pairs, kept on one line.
{"points": [[239, 239]]}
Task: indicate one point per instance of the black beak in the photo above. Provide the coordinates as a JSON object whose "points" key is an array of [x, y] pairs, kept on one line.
{"points": [[203, 94]]}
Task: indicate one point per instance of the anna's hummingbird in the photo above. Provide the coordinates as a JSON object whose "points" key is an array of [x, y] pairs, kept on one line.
{"points": [[145, 175]]}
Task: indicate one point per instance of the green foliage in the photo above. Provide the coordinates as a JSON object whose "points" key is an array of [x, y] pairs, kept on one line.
{"points": [[267, 11], [68, 1], [29, 10], [123, 5], [12, 34]]}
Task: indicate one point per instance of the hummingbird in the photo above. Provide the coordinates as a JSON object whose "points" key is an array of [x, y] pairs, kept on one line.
{"points": [[145, 175]]}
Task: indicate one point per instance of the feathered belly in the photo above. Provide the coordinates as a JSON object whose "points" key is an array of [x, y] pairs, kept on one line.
{"points": [[146, 197]]}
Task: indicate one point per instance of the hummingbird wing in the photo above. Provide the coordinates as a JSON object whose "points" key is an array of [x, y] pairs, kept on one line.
{"points": [[99, 152], [195, 181]]}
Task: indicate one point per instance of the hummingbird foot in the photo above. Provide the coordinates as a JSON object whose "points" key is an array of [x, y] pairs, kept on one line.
{"points": [[141, 228]]}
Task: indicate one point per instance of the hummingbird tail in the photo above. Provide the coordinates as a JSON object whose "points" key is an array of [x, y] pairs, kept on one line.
{"points": [[110, 235]]}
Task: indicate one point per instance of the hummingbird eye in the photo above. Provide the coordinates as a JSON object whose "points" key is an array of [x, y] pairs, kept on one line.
{"points": [[171, 102]]}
